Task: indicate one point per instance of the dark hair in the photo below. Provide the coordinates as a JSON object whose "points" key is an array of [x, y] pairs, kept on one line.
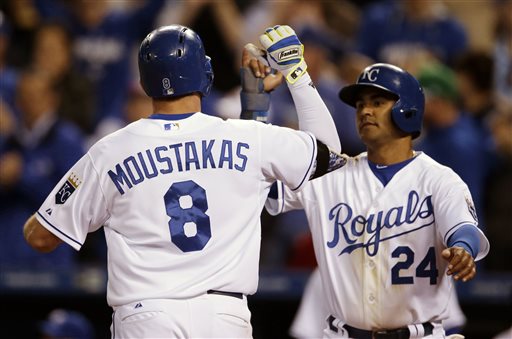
{"points": [[479, 67]]}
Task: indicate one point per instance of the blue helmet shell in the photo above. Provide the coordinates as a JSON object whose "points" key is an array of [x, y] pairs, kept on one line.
{"points": [[173, 63]]}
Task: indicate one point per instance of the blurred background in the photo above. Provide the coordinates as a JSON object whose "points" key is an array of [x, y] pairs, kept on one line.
{"points": [[68, 77]]}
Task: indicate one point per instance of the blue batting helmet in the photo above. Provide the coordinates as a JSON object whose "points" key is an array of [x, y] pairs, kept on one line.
{"points": [[172, 63], [407, 112]]}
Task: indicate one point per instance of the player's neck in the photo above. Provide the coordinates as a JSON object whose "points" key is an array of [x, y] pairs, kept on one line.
{"points": [[185, 104], [391, 152]]}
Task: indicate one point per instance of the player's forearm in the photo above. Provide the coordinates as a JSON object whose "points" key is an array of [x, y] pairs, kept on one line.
{"points": [[313, 114], [38, 237], [254, 100]]}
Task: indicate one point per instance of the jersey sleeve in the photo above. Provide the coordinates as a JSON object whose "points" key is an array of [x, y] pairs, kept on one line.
{"points": [[454, 207], [287, 155], [282, 199], [76, 206], [313, 114]]}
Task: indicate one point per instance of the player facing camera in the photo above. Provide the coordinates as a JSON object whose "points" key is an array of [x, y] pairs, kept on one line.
{"points": [[392, 229], [393, 84]]}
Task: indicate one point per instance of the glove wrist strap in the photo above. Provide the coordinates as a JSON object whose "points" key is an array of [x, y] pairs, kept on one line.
{"points": [[296, 72]]}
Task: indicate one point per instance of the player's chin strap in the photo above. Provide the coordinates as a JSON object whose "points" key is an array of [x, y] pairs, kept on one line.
{"points": [[327, 160]]}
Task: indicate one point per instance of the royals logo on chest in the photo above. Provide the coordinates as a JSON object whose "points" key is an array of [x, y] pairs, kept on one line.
{"points": [[367, 231]]}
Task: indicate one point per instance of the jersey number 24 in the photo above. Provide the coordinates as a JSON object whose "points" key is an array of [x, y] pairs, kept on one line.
{"points": [[426, 269]]}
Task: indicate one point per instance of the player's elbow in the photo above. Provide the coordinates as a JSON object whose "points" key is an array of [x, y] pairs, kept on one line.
{"points": [[42, 245], [38, 237]]}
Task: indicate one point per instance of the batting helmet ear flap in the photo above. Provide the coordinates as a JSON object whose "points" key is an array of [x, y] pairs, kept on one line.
{"points": [[407, 119]]}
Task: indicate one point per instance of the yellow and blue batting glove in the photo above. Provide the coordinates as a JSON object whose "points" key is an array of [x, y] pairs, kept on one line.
{"points": [[285, 52]]}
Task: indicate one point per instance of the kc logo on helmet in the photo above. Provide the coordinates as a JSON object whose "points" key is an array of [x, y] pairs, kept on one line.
{"points": [[371, 74]]}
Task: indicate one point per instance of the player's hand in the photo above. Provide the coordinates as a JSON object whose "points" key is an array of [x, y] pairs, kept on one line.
{"points": [[461, 263], [252, 59], [257, 82], [285, 52]]}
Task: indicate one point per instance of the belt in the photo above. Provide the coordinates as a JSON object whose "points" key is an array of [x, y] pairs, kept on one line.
{"points": [[398, 333], [228, 294]]}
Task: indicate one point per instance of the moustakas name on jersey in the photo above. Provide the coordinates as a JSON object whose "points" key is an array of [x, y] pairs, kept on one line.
{"points": [[180, 202]]}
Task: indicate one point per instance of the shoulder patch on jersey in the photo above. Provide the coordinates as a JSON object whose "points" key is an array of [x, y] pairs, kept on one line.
{"points": [[471, 208], [67, 189]]}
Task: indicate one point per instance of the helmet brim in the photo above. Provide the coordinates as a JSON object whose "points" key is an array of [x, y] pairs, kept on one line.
{"points": [[350, 94]]}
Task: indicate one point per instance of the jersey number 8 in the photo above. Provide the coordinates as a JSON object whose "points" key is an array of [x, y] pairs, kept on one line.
{"points": [[194, 214]]}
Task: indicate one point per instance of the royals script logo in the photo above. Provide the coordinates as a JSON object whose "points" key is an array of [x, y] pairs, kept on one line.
{"points": [[380, 226]]}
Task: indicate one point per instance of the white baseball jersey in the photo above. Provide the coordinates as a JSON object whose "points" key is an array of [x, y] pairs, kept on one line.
{"points": [[379, 247], [180, 202]]}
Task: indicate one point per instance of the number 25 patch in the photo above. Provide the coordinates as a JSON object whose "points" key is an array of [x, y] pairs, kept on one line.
{"points": [[67, 189]]}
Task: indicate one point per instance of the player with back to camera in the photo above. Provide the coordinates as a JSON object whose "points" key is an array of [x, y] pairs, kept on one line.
{"points": [[179, 195], [391, 226]]}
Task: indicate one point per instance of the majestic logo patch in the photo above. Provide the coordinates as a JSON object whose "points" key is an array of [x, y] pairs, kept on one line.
{"points": [[288, 54], [67, 189]]}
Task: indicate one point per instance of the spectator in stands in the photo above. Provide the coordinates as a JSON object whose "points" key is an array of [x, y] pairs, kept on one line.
{"points": [[103, 40], [66, 324], [452, 137], [475, 74], [391, 29], [475, 82], [498, 207], [52, 55], [8, 73], [33, 158], [503, 50]]}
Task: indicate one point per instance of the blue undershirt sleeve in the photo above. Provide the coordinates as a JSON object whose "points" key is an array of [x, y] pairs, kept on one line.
{"points": [[466, 237]]}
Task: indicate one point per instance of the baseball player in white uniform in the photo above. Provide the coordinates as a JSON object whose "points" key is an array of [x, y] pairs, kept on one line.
{"points": [[179, 196], [391, 226]]}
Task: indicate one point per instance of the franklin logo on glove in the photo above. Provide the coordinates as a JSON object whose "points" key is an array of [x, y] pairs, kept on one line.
{"points": [[289, 54]]}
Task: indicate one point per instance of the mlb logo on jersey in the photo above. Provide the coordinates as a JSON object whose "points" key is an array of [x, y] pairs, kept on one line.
{"points": [[173, 126], [67, 189]]}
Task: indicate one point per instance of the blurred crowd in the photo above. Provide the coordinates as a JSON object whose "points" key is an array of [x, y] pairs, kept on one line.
{"points": [[68, 77]]}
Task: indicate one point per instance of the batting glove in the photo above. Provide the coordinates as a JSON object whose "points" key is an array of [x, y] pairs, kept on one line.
{"points": [[284, 52]]}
